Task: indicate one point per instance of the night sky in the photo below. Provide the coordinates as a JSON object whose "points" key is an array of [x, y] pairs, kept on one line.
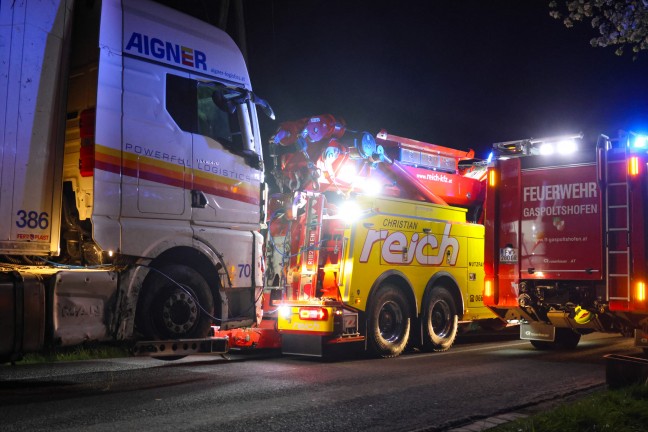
{"points": [[460, 73]]}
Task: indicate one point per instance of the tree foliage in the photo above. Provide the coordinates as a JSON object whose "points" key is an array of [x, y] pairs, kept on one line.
{"points": [[621, 23]]}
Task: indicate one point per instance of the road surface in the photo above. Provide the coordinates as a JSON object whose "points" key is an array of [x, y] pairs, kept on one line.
{"points": [[414, 392]]}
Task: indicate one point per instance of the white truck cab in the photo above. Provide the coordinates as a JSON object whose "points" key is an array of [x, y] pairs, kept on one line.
{"points": [[132, 181]]}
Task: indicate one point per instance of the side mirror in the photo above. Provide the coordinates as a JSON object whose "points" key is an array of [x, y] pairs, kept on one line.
{"points": [[265, 106], [227, 99], [221, 100]]}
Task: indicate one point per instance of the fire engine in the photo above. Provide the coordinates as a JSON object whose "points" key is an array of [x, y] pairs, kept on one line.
{"points": [[566, 239], [373, 242], [132, 187]]}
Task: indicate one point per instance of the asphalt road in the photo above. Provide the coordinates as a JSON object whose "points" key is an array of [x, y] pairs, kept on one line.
{"points": [[414, 392]]}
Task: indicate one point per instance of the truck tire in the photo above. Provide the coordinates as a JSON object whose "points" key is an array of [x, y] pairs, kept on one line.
{"points": [[566, 339], [388, 322], [173, 303], [440, 320]]}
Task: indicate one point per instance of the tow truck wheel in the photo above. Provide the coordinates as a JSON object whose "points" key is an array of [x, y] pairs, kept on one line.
{"points": [[388, 322], [440, 320], [566, 339], [173, 302]]}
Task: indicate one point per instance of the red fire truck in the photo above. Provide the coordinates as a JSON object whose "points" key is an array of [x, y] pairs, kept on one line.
{"points": [[373, 240], [566, 239]]}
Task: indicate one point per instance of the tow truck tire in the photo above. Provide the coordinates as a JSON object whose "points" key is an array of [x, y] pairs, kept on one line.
{"points": [[388, 322], [440, 320], [172, 304], [566, 339]]}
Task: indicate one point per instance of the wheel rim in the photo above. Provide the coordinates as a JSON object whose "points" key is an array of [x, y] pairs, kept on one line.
{"points": [[179, 313], [441, 319], [390, 321]]}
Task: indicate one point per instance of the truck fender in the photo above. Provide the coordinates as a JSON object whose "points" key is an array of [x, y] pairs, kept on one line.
{"points": [[132, 280], [450, 283], [398, 278], [166, 246]]}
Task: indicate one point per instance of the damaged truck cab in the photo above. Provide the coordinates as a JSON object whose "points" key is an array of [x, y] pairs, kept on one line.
{"points": [[132, 178]]}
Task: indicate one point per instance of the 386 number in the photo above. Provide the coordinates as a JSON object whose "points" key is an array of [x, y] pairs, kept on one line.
{"points": [[32, 219]]}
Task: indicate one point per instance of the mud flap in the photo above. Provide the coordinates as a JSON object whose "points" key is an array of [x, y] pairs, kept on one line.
{"points": [[22, 315], [537, 331], [640, 339], [302, 344]]}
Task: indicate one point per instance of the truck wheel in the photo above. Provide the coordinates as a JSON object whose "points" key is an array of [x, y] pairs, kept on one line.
{"points": [[542, 345], [388, 322], [440, 320], [172, 307], [566, 339]]}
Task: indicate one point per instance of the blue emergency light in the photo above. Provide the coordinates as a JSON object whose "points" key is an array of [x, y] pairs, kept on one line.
{"points": [[638, 141]]}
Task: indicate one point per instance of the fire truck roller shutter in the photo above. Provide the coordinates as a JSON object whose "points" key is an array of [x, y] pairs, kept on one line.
{"points": [[439, 313], [175, 303], [389, 316]]}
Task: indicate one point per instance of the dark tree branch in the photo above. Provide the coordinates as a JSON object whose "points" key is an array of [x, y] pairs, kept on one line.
{"points": [[622, 24]]}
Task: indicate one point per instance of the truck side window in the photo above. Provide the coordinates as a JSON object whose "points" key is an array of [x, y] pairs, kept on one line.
{"points": [[212, 121], [181, 98], [190, 104]]}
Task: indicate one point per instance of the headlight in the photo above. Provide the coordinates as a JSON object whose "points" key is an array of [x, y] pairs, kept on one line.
{"points": [[566, 147], [347, 172], [284, 311], [370, 186], [349, 211], [639, 141], [563, 147], [546, 149]]}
